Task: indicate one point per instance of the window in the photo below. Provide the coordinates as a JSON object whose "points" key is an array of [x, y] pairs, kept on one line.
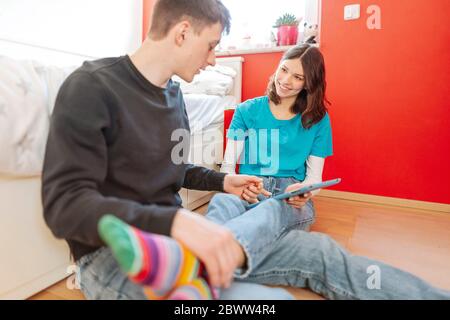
{"points": [[252, 21], [107, 28]]}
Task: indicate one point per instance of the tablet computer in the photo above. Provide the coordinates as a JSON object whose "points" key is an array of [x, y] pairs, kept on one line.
{"points": [[300, 191]]}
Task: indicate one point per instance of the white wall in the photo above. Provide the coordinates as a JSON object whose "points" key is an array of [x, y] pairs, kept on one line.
{"points": [[79, 28]]}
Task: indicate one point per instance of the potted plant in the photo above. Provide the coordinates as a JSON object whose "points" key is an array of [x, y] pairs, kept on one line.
{"points": [[287, 26]]}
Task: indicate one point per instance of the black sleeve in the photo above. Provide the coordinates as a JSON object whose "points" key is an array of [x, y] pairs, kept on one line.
{"points": [[200, 178], [75, 166]]}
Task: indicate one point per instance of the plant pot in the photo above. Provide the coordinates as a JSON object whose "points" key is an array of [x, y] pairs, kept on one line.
{"points": [[287, 35]]}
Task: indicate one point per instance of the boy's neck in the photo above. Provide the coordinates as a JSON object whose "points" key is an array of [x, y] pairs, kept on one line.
{"points": [[151, 59]]}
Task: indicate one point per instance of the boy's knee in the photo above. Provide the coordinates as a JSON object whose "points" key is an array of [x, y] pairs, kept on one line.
{"points": [[224, 199], [275, 204]]}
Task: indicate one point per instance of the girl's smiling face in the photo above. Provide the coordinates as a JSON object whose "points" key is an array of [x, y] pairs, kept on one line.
{"points": [[289, 78]]}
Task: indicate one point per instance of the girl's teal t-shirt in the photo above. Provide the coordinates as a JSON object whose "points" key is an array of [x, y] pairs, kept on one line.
{"points": [[277, 147]]}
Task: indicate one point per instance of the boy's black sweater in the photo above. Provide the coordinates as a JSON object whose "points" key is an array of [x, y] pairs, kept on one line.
{"points": [[109, 151]]}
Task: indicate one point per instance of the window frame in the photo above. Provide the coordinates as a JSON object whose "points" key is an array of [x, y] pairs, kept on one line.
{"points": [[313, 9]]}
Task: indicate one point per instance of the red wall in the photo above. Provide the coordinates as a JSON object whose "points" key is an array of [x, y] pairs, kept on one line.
{"points": [[146, 18], [390, 97], [256, 71]]}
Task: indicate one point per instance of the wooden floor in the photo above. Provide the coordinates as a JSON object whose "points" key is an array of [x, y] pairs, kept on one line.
{"points": [[415, 240]]}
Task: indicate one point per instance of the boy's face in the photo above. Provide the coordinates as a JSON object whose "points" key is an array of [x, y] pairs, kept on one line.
{"points": [[198, 51]]}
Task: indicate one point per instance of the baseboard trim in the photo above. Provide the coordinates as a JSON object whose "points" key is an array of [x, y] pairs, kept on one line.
{"points": [[360, 197], [424, 205]]}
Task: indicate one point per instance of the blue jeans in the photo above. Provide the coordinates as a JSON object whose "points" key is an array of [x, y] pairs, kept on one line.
{"points": [[278, 252], [101, 278], [258, 229]]}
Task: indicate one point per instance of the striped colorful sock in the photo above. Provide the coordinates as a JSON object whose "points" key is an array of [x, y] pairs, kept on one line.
{"points": [[198, 289], [158, 262]]}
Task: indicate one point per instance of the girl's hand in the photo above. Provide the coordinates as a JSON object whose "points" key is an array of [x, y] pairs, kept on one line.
{"points": [[250, 194], [297, 201]]}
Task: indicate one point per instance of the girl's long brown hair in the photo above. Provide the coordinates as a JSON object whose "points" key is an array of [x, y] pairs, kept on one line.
{"points": [[311, 101]]}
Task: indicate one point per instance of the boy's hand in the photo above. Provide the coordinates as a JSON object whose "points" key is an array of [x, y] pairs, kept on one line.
{"points": [[244, 186], [213, 244], [250, 194]]}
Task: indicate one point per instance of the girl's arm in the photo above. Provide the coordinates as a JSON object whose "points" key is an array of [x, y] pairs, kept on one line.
{"points": [[314, 169], [314, 165], [232, 152]]}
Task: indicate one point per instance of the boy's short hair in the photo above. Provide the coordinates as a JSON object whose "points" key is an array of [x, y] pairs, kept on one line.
{"points": [[200, 13]]}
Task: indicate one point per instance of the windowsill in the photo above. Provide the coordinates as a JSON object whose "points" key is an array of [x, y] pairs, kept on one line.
{"points": [[223, 53]]}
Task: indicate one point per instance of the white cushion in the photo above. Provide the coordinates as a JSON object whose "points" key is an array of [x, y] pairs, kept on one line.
{"points": [[27, 94], [217, 80]]}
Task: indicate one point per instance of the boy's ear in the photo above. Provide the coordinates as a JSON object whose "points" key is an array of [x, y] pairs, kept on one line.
{"points": [[181, 31]]}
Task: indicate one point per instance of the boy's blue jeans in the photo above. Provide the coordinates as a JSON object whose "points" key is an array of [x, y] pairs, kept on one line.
{"points": [[258, 229], [278, 252], [100, 277]]}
